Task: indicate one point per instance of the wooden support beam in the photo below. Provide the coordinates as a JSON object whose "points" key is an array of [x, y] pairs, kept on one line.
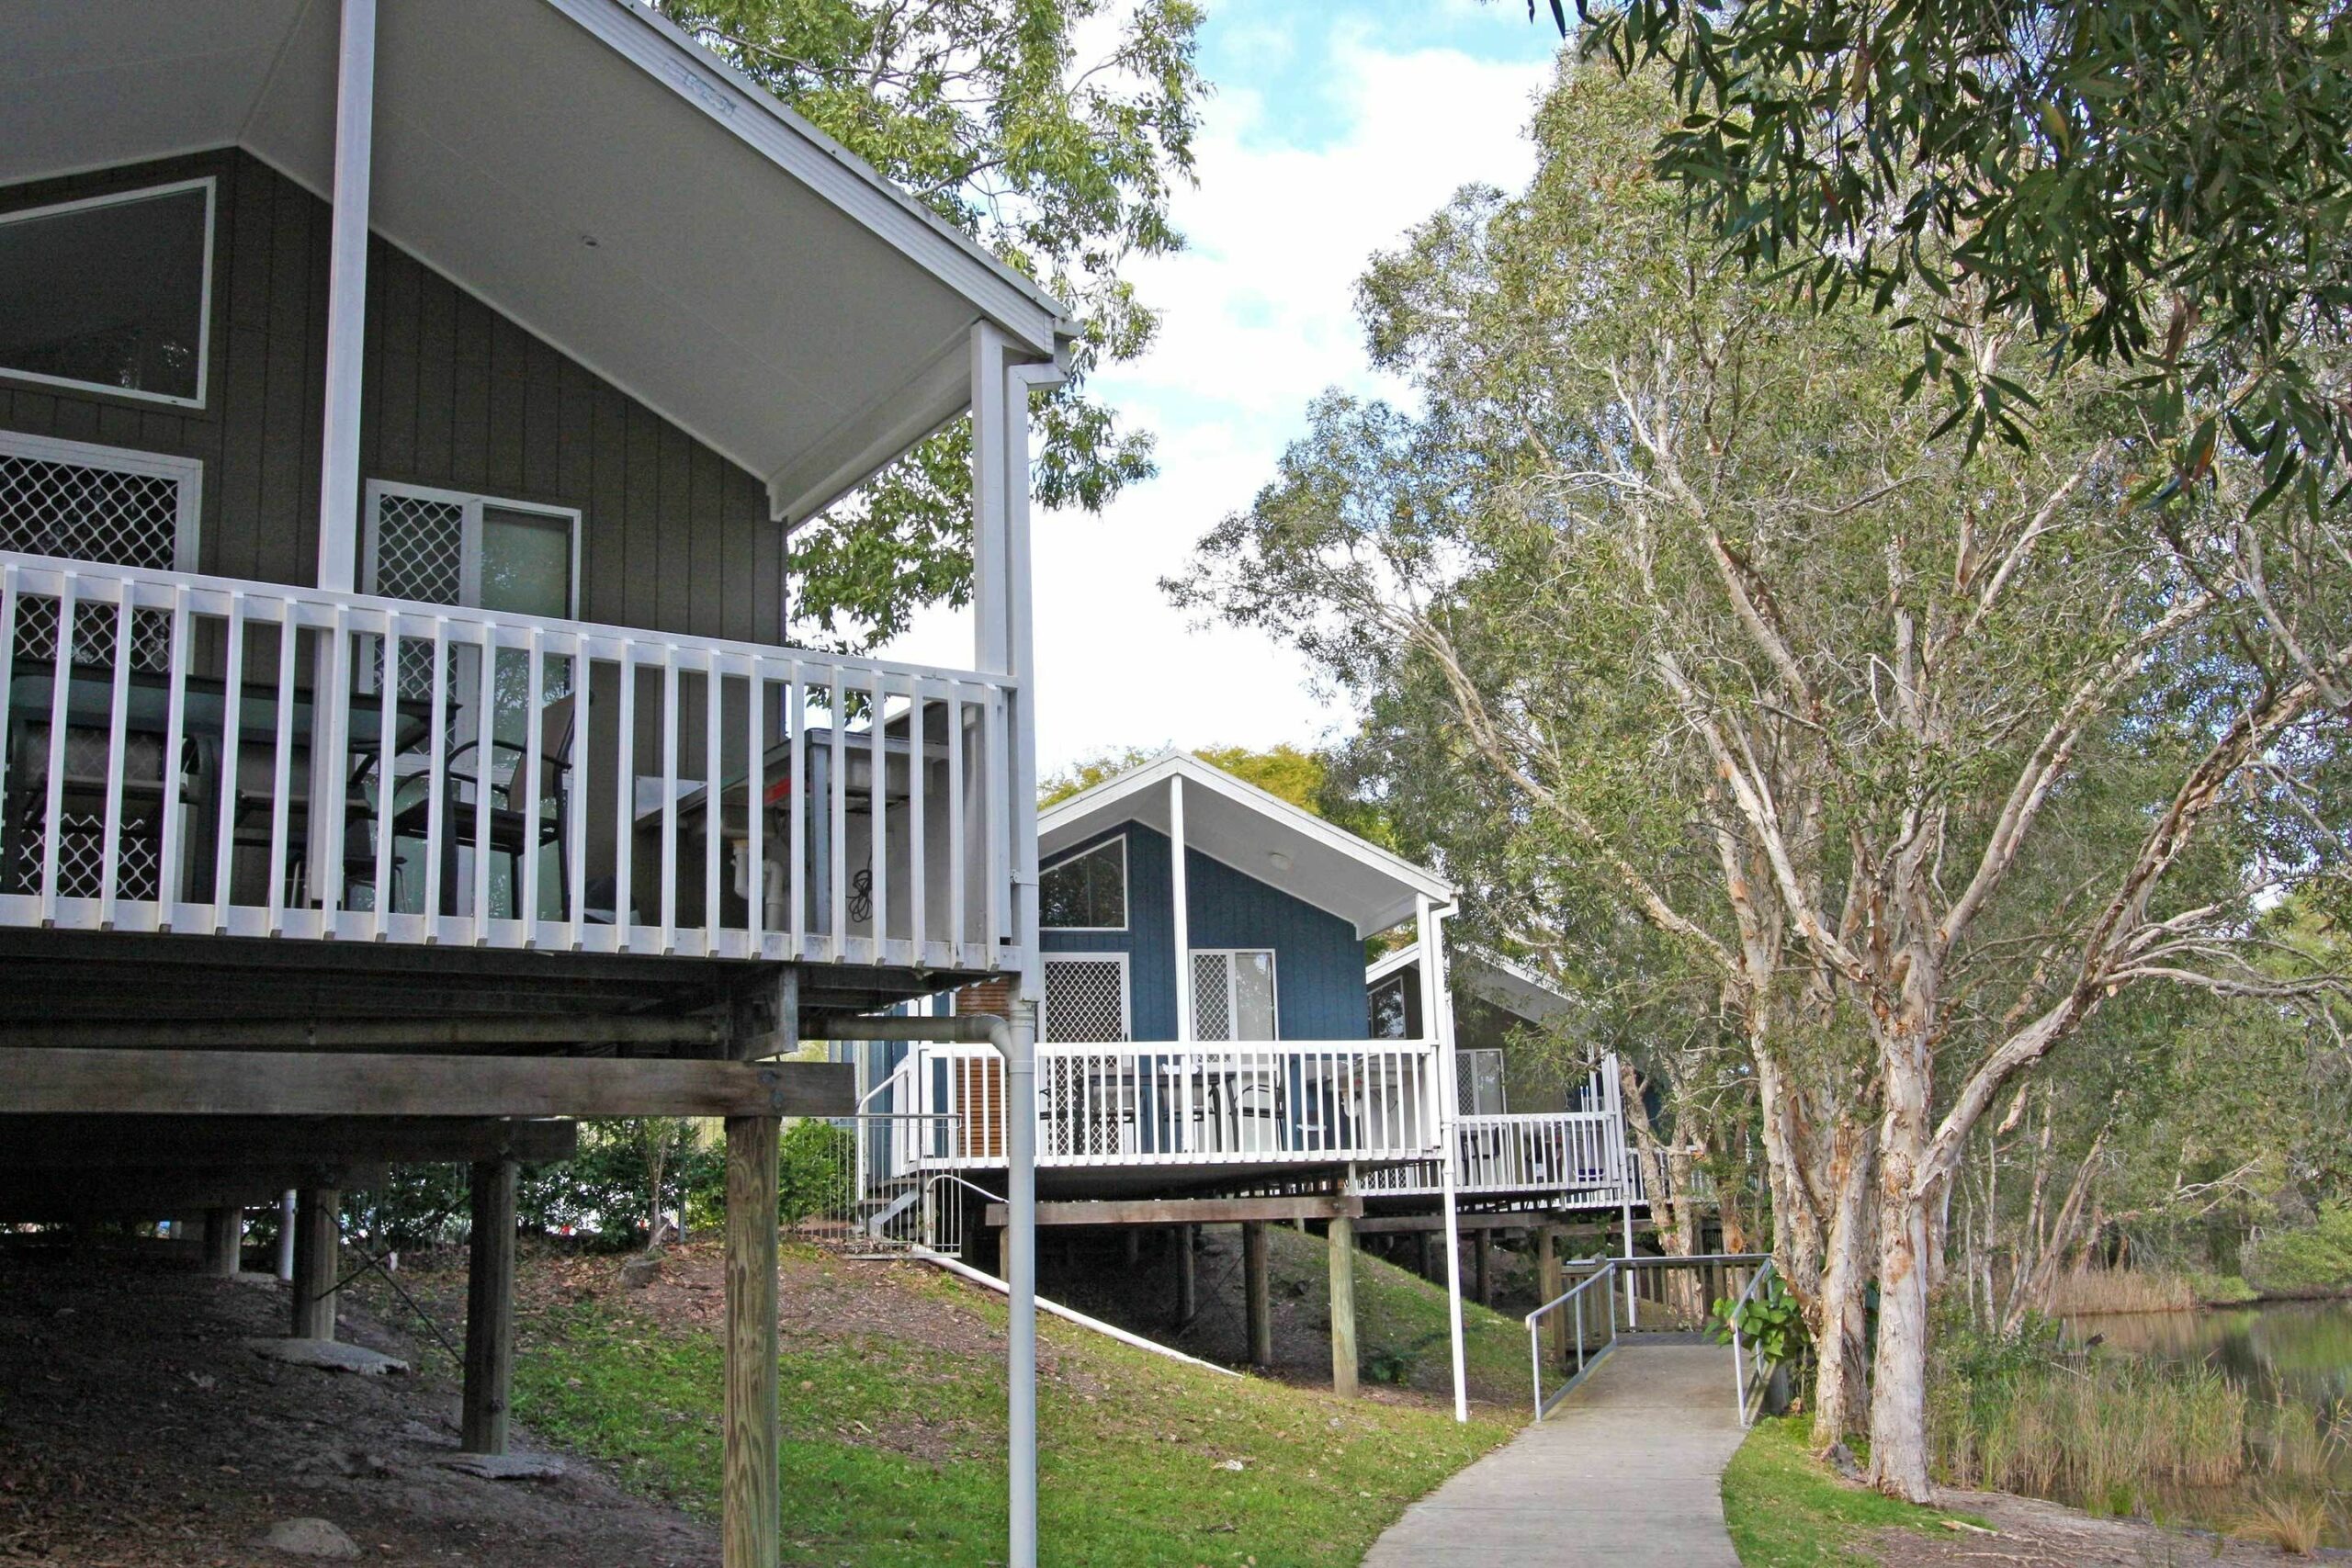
{"points": [[1473, 1219], [130, 1192], [87, 1143], [1482, 1252], [1257, 1294], [1549, 1282], [318, 1243], [293, 1083], [489, 1309], [1190, 1211], [1427, 1252], [1188, 1301], [224, 1238], [1342, 1249], [399, 1034], [749, 1519]]}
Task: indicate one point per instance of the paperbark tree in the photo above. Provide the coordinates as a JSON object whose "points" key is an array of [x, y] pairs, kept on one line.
{"points": [[1968, 742]]}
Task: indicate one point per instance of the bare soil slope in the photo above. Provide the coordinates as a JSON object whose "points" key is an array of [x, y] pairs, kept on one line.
{"points": [[137, 1430]]}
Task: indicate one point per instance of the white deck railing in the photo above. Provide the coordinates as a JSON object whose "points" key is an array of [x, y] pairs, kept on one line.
{"points": [[1543, 1153], [1165, 1104], [534, 783]]}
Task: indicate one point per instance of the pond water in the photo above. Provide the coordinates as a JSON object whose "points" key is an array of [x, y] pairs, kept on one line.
{"points": [[2296, 1353]]}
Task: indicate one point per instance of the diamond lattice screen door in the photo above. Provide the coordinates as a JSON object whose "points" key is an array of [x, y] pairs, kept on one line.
{"points": [[110, 507]]}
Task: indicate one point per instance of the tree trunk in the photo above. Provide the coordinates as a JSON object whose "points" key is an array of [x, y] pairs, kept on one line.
{"points": [[1899, 1391], [1842, 1342]]}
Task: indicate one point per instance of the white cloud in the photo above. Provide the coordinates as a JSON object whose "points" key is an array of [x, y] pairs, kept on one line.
{"points": [[1258, 320]]}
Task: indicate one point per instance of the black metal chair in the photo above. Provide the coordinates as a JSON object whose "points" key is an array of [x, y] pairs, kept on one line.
{"points": [[510, 825]]}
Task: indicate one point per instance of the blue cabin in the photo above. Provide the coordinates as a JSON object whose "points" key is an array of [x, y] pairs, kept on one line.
{"points": [[1202, 1009]]}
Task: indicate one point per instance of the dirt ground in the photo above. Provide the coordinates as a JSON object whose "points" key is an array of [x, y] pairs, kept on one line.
{"points": [[137, 1430], [2029, 1533]]}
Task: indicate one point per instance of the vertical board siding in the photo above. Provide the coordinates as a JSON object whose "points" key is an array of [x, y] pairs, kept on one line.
{"points": [[1319, 959], [674, 538]]}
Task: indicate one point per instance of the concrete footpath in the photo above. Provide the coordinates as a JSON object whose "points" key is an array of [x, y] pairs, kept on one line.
{"points": [[1625, 1473]]}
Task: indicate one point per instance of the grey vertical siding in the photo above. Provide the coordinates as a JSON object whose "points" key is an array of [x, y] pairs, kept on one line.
{"points": [[1318, 960], [674, 538]]}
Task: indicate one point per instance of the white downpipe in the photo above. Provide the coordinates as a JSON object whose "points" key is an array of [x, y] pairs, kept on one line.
{"points": [[1017, 1042], [1179, 902], [990, 1281], [1437, 1019], [286, 1236]]}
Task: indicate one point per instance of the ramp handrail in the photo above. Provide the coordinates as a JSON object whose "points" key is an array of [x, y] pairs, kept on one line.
{"points": [[1571, 1299], [1749, 1373]]}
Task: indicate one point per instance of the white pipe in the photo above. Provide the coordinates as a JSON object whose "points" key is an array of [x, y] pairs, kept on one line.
{"points": [[964, 1271], [286, 1237], [1017, 1042], [1437, 1021], [1181, 905]]}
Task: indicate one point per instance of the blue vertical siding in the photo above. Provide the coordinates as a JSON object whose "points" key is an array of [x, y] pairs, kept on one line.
{"points": [[1318, 960]]}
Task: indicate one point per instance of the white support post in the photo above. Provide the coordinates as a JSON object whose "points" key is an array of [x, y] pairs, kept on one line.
{"points": [[355, 138], [1179, 904], [1437, 1022], [992, 620]]}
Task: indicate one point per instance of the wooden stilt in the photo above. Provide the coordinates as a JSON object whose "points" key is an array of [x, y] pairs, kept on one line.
{"points": [[1259, 1293], [1549, 1284], [489, 1309], [224, 1238], [1133, 1235], [749, 1518], [1342, 1247], [1428, 1255], [1188, 1301], [1482, 1253], [318, 1245]]}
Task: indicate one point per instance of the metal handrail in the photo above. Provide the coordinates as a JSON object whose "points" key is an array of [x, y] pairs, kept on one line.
{"points": [[1602, 1270], [1741, 1383]]}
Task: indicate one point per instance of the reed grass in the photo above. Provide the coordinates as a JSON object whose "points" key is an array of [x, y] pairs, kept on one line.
{"points": [[2120, 1290], [2294, 1522], [2109, 1432]]}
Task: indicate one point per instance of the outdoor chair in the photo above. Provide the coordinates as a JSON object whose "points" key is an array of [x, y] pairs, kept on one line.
{"points": [[512, 827]]}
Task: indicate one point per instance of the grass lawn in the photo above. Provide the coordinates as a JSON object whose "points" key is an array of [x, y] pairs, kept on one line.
{"points": [[894, 1434], [1786, 1510], [1400, 1312]]}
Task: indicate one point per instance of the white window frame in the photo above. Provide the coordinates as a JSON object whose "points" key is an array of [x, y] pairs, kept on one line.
{"points": [[211, 185], [470, 537], [1232, 987], [1126, 884], [188, 472], [1126, 993]]}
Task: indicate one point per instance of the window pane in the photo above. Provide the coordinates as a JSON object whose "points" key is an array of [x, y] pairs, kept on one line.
{"points": [[1086, 891], [112, 294], [1253, 995], [526, 563]]}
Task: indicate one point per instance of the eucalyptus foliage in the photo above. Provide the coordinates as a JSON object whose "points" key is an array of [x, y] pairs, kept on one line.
{"points": [[2159, 184], [1060, 163]]}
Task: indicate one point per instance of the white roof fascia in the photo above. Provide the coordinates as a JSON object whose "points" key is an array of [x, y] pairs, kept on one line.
{"points": [[1112, 791], [1389, 964], [1034, 318]]}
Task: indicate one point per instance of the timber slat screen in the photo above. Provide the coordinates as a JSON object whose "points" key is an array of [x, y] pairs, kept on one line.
{"points": [[530, 783]]}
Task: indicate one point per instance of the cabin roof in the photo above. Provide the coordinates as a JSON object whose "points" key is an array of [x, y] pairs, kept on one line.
{"points": [[1489, 975], [594, 173], [1245, 828]]}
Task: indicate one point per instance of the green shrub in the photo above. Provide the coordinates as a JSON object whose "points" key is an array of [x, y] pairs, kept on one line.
{"points": [[2317, 1261], [820, 1172]]}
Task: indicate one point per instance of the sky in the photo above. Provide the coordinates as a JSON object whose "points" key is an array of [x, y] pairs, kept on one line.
{"points": [[1332, 129]]}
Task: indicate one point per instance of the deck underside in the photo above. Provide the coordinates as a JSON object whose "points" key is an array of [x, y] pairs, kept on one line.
{"points": [[92, 979]]}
